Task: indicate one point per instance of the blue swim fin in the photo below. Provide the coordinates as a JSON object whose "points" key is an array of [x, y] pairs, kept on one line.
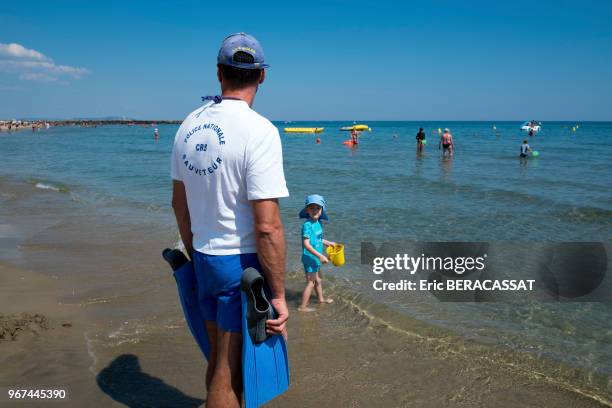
{"points": [[187, 289], [265, 365]]}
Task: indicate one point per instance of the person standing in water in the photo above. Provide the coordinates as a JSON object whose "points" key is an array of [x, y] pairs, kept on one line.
{"points": [[156, 134], [446, 142], [354, 136], [420, 138], [525, 148]]}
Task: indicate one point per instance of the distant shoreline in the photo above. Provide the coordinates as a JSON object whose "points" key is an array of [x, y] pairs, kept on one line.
{"points": [[40, 124], [35, 125]]}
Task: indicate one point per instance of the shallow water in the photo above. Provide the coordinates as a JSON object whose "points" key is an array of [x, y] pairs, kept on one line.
{"points": [[380, 191]]}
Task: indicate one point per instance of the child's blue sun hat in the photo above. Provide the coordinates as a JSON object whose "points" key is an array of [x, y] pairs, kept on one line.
{"points": [[315, 199]]}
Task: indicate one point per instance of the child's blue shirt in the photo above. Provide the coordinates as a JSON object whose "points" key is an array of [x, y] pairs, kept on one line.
{"points": [[313, 230]]}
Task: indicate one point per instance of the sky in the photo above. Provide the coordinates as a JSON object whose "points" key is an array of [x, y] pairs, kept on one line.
{"points": [[332, 60]]}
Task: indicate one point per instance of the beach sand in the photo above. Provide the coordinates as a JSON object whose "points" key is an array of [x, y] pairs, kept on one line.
{"points": [[41, 340], [330, 365], [113, 333]]}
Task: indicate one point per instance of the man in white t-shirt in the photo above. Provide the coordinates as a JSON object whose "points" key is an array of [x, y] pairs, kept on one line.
{"points": [[227, 171]]}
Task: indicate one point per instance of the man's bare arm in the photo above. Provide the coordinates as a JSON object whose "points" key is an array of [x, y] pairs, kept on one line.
{"points": [[271, 251], [270, 241], [181, 212]]}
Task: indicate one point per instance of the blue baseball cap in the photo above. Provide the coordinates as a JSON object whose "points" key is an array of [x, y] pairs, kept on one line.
{"points": [[241, 42], [318, 200]]}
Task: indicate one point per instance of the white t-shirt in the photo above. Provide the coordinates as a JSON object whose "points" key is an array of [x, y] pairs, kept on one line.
{"points": [[227, 154]]}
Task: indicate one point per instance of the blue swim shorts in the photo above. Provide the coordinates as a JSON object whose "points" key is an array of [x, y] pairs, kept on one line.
{"points": [[218, 278], [311, 265]]}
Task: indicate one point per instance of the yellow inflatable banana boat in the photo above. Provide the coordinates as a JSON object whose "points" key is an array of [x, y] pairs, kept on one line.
{"points": [[359, 128], [304, 130]]}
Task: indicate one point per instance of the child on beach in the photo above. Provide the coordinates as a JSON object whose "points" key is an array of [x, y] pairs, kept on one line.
{"points": [[312, 249]]}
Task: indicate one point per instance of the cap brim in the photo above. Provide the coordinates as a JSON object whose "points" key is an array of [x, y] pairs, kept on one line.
{"points": [[245, 65], [304, 214]]}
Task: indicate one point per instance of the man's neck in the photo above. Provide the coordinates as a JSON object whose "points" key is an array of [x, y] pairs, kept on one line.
{"points": [[246, 94]]}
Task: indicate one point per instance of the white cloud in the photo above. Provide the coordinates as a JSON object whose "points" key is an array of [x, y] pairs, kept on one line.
{"points": [[14, 50], [32, 65], [31, 76]]}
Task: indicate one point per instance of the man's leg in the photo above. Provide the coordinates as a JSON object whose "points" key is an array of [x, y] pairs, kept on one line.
{"points": [[226, 383], [211, 330]]}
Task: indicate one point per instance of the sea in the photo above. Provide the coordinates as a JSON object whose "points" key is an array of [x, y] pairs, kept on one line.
{"points": [[380, 191]]}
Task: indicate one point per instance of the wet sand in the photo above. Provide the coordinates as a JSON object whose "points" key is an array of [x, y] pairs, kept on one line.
{"points": [[115, 336], [42, 345], [346, 357]]}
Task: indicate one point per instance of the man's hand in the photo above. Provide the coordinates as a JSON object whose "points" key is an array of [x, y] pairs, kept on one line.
{"points": [[278, 325]]}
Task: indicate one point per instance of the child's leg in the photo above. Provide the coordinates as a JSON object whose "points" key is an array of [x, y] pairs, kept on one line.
{"points": [[319, 289], [310, 284]]}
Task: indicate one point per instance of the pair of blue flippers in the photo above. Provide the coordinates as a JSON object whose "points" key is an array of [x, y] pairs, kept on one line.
{"points": [[265, 365]]}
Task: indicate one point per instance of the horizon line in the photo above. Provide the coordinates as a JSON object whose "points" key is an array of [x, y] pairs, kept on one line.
{"points": [[286, 121]]}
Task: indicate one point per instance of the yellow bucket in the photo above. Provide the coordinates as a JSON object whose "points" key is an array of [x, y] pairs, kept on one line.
{"points": [[336, 254]]}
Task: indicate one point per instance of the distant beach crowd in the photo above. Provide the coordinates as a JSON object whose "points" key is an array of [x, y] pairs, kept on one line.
{"points": [[18, 125]]}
